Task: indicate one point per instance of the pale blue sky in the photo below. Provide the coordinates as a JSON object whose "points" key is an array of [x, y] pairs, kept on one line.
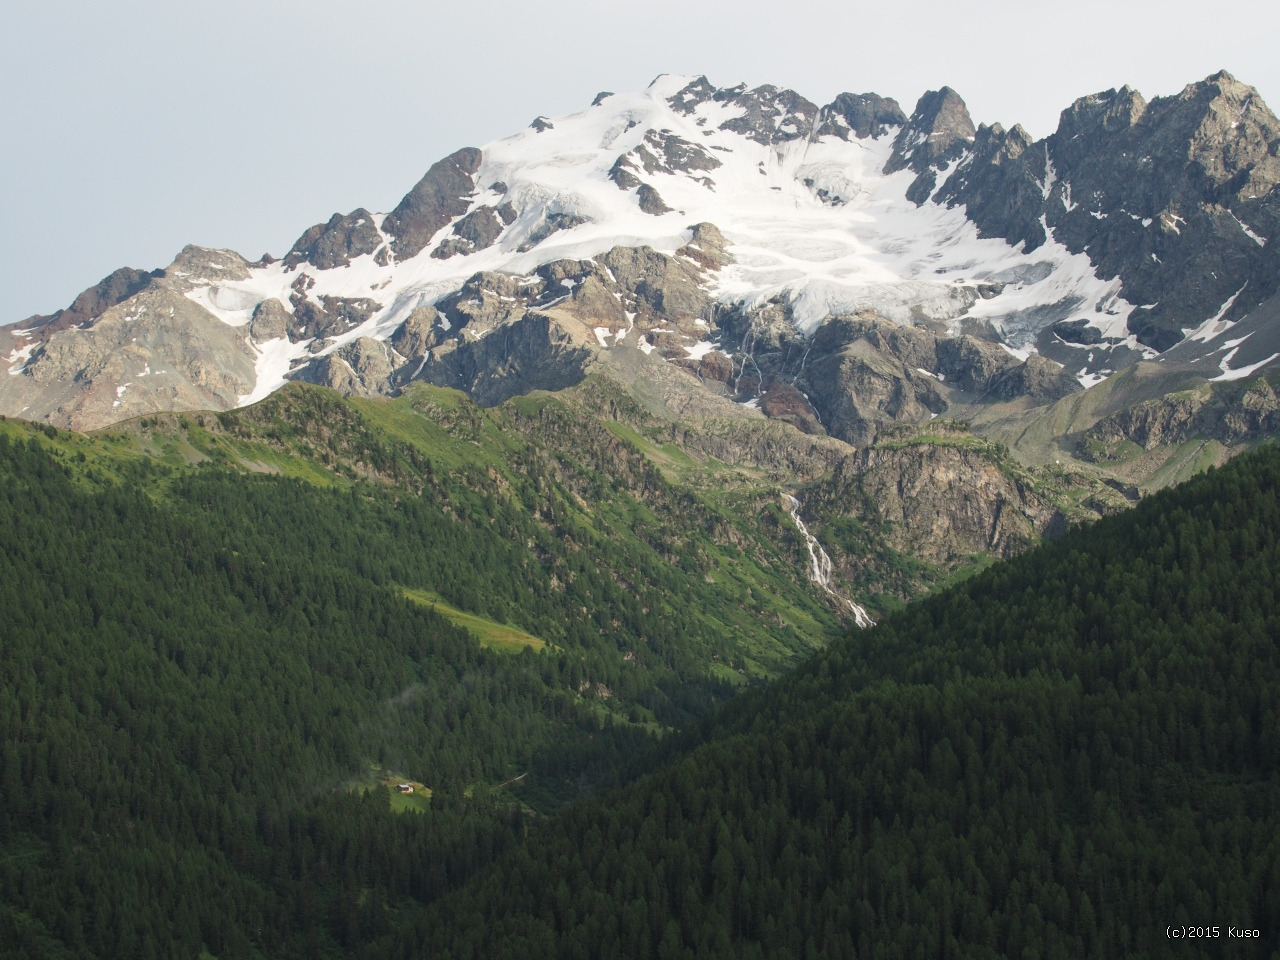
{"points": [[133, 128]]}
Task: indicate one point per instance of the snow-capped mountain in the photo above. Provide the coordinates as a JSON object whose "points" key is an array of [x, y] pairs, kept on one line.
{"points": [[837, 266]]}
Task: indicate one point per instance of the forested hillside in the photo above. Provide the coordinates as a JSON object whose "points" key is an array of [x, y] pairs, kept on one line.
{"points": [[1061, 758], [225, 636], [220, 640]]}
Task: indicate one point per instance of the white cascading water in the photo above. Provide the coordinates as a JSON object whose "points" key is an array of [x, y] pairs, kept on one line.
{"points": [[820, 565]]}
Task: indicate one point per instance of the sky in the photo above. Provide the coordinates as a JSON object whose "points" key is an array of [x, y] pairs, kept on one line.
{"points": [[133, 128]]}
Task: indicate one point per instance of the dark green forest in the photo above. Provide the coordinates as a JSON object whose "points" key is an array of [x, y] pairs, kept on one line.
{"points": [[205, 672], [1059, 758], [190, 687]]}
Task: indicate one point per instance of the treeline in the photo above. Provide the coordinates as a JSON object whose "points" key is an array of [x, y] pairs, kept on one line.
{"points": [[1059, 758]]}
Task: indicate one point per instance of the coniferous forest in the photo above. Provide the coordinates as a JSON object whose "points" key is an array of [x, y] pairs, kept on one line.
{"points": [[206, 676], [1065, 756]]}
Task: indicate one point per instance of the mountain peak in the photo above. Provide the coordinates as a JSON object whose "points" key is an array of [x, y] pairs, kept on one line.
{"points": [[586, 215], [938, 129], [863, 114], [937, 133], [665, 85], [441, 195], [690, 96], [1225, 80]]}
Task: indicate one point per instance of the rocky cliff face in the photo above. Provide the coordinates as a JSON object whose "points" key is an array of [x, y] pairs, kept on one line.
{"points": [[937, 134], [1176, 197], [858, 374], [440, 196], [938, 494], [926, 500], [153, 350], [1231, 414]]}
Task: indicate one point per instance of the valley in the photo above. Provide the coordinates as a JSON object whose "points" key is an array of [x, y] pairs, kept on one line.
{"points": [[704, 524]]}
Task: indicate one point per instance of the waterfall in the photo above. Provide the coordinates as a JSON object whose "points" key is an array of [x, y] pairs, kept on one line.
{"points": [[820, 565]]}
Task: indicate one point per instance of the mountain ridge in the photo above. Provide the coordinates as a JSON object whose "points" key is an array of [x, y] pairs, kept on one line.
{"points": [[533, 198]]}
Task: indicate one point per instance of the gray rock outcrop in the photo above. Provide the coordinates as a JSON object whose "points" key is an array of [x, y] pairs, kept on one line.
{"points": [[336, 243], [769, 115], [651, 201], [1178, 197], [417, 334], [271, 321], [328, 317], [860, 115], [942, 501], [1038, 379], [938, 133], [1231, 413], [443, 194], [362, 368], [533, 352]]}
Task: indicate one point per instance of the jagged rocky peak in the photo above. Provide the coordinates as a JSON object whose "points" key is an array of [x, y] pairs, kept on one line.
{"points": [[336, 243], [1172, 199], [1217, 138], [773, 115], [1002, 145], [1237, 141], [691, 96], [1175, 197], [938, 131], [1110, 112], [443, 194], [1219, 125], [1002, 185], [861, 115]]}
